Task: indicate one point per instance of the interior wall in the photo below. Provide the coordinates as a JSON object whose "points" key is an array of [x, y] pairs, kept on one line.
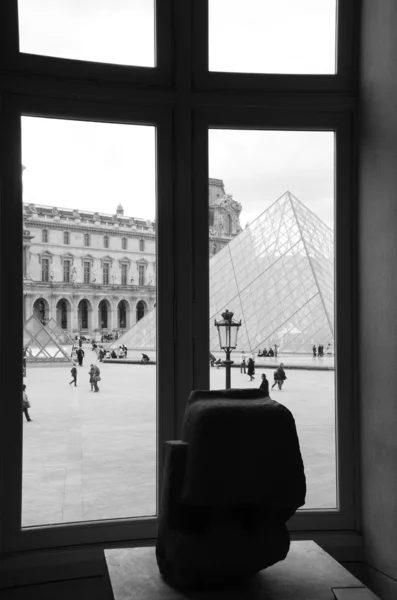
{"points": [[377, 227]]}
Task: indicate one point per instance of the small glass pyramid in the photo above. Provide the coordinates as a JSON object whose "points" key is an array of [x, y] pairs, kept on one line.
{"points": [[58, 333], [40, 346]]}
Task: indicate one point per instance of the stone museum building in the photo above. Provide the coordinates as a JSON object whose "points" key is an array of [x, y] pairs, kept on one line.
{"points": [[96, 273]]}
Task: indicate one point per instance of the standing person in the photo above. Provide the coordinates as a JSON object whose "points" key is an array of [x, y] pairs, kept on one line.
{"points": [[242, 362], [73, 372], [25, 403], [80, 342], [264, 384], [279, 377], [329, 348], [251, 369], [80, 356], [275, 350], [96, 377], [314, 351], [91, 373], [125, 350]]}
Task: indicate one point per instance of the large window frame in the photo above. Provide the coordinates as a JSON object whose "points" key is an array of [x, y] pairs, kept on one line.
{"points": [[183, 100], [15, 538]]}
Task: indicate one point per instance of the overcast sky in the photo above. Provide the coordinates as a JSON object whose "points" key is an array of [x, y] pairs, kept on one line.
{"points": [[94, 166]]}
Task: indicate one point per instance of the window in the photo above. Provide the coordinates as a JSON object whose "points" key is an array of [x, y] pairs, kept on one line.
{"points": [[277, 276], [66, 271], [45, 269], [87, 271], [44, 236], [124, 273], [86, 239], [105, 273], [273, 37], [141, 271], [239, 97], [66, 237], [106, 241], [140, 310], [129, 25], [124, 243]]}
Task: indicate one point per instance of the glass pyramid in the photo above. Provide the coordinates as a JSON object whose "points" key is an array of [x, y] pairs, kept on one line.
{"points": [[141, 336], [58, 333], [40, 346], [277, 276]]}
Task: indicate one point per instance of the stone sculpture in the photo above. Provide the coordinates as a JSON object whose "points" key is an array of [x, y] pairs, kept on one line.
{"points": [[229, 486]]}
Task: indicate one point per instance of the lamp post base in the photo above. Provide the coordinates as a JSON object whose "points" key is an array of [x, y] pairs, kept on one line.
{"points": [[228, 363]]}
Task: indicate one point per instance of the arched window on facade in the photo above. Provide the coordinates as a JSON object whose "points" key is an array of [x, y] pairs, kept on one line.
{"points": [[140, 310], [66, 237], [124, 243], [103, 314], [44, 236], [86, 239], [64, 315], [122, 315], [142, 245], [42, 311], [106, 241]]}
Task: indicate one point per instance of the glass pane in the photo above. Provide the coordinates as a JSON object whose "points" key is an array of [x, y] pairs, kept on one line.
{"points": [[110, 31], [264, 36], [271, 246], [90, 450]]}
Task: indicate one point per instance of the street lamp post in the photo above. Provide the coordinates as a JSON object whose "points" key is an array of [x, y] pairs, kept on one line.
{"points": [[227, 331]]}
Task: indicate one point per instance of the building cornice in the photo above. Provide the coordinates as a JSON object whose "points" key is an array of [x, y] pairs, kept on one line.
{"points": [[87, 228]]}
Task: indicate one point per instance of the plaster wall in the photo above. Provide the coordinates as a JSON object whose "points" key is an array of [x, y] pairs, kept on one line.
{"points": [[377, 231]]}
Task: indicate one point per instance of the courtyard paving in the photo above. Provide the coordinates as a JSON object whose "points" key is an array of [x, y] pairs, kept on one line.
{"points": [[92, 456]]}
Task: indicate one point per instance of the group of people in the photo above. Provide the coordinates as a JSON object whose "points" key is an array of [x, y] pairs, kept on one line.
{"points": [[94, 373], [319, 350], [269, 352], [279, 378]]}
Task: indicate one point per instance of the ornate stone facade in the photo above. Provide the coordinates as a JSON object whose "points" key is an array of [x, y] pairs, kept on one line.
{"points": [[95, 273]]}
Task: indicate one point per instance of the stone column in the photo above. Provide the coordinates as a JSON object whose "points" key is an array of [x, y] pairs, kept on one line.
{"points": [[74, 316], [113, 320], [27, 306], [53, 312], [94, 320]]}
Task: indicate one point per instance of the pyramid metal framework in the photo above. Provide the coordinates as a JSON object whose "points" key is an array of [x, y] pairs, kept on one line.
{"points": [[58, 333], [40, 346], [141, 336], [277, 275]]}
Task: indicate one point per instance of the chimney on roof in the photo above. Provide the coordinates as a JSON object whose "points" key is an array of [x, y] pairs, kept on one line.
{"points": [[120, 211]]}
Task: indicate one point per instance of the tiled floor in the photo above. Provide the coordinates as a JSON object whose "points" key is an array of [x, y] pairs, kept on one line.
{"points": [[93, 456]]}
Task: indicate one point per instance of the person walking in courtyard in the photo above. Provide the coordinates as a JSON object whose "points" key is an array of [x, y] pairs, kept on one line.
{"points": [[80, 355], [314, 351], [242, 362], [275, 350], [73, 372], [264, 384], [25, 403], [279, 376], [251, 368]]}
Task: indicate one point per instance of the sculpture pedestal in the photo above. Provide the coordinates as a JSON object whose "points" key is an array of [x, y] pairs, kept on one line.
{"points": [[308, 573]]}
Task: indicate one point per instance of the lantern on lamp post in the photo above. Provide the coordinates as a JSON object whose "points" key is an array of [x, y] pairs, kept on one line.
{"points": [[227, 331]]}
